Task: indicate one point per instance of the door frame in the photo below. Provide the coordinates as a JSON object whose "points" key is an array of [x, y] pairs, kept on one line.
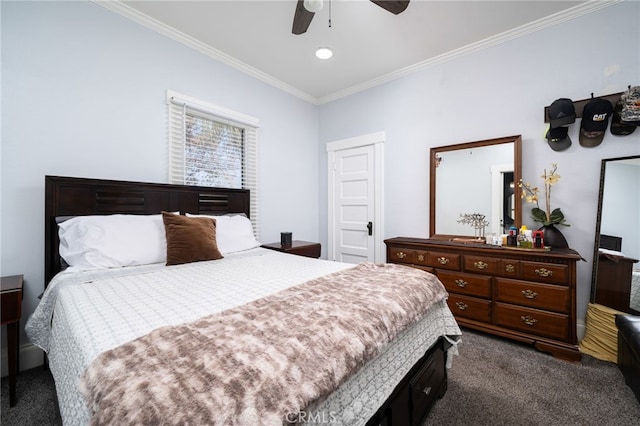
{"points": [[377, 141]]}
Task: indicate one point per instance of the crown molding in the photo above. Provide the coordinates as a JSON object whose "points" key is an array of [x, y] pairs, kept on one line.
{"points": [[170, 32], [532, 27], [539, 25]]}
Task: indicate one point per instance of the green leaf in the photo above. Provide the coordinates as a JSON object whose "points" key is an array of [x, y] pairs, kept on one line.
{"points": [[558, 218], [539, 215]]}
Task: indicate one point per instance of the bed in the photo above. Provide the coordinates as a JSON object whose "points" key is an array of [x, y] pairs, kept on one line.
{"points": [[196, 338]]}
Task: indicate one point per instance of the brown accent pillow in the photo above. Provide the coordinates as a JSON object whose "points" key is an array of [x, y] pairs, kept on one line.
{"points": [[190, 239]]}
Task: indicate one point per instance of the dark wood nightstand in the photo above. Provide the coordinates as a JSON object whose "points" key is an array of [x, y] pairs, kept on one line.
{"points": [[301, 248], [11, 295]]}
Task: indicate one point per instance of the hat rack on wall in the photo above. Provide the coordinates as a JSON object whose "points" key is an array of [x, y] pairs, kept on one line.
{"points": [[579, 105]]}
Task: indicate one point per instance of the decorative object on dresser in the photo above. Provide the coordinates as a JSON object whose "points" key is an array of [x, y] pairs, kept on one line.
{"points": [[11, 295], [549, 218], [526, 295], [301, 248]]}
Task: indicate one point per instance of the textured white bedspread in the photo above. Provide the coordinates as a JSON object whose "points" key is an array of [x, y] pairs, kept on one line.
{"points": [[95, 311]]}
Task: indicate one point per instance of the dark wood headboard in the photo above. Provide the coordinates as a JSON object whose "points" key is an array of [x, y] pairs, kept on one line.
{"points": [[69, 196]]}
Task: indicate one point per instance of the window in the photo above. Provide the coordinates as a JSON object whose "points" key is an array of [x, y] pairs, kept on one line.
{"points": [[212, 146]]}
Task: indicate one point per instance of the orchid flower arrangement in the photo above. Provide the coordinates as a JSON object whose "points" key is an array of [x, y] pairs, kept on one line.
{"points": [[530, 193]]}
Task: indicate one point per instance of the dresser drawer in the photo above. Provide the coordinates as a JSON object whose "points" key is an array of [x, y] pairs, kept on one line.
{"points": [[401, 255], [544, 296], [533, 321], [443, 260], [470, 307], [545, 272], [458, 282], [483, 265]]}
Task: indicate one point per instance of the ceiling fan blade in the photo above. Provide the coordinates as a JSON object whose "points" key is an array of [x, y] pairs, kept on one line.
{"points": [[393, 6], [301, 19]]}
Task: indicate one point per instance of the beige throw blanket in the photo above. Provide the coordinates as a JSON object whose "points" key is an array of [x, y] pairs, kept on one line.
{"points": [[263, 362]]}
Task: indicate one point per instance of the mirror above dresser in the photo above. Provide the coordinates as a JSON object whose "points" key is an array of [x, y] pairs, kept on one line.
{"points": [[475, 177]]}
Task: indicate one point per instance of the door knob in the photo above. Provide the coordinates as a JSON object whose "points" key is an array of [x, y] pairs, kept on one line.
{"points": [[370, 228]]}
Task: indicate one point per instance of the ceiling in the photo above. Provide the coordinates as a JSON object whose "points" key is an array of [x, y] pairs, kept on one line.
{"points": [[370, 45]]}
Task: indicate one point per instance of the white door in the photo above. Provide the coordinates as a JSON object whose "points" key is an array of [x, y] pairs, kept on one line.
{"points": [[355, 203]]}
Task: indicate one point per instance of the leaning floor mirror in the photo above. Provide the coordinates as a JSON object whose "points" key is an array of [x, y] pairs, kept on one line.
{"points": [[615, 279]]}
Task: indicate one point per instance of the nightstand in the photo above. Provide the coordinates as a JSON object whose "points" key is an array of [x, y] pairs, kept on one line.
{"points": [[301, 248], [11, 295]]}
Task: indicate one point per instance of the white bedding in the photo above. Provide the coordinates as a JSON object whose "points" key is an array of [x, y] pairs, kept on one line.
{"points": [[95, 311]]}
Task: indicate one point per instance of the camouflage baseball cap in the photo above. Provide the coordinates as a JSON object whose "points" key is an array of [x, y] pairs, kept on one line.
{"points": [[630, 113], [619, 127]]}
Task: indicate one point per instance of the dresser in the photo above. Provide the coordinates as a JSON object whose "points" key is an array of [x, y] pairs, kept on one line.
{"points": [[525, 295]]}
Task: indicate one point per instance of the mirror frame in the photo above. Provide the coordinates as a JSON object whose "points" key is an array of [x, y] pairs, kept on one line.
{"points": [[517, 175], [596, 242]]}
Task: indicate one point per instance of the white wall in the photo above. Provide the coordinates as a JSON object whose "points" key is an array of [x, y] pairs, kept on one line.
{"points": [[497, 92], [83, 94]]}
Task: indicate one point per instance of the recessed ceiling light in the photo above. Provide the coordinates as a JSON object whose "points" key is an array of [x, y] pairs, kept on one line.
{"points": [[313, 5], [324, 53]]}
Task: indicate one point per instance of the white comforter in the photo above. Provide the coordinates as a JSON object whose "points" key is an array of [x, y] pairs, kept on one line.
{"points": [[95, 311]]}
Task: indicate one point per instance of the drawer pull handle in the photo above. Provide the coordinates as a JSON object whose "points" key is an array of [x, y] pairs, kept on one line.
{"points": [[480, 264], [461, 283], [529, 320], [510, 267], [542, 272], [462, 306], [401, 255], [443, 260], [529, 294], [421, 258], [426, 390]]}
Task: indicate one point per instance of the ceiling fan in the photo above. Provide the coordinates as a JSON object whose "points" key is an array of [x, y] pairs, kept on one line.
{"points": [[305, 9]]}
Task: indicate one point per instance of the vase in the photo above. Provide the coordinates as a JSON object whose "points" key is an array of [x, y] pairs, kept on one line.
{"points": [[553, 237]]}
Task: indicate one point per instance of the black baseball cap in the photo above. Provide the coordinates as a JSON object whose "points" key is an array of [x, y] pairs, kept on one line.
{"points": [[561, 112], [595, 120], [558, 138]]}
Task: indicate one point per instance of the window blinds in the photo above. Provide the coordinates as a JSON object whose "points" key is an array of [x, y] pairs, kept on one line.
{"points": [[213, 146]]}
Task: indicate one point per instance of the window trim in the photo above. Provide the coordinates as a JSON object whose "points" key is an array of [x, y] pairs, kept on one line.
{"points": [[248, 123]]}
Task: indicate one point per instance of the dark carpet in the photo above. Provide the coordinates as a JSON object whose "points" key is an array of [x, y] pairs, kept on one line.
{"points": [[493, 382]]}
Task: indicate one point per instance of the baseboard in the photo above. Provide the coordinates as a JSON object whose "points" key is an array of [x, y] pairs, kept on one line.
{"points": [[31, 356], [580, 329]]}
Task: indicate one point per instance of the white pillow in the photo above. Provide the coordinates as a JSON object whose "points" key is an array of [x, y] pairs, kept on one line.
{"points": [[233, 233], [93, 242]]}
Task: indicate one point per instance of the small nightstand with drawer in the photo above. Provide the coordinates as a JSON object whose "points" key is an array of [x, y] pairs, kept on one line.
{"points": [[11, 295], [301, 248]]}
